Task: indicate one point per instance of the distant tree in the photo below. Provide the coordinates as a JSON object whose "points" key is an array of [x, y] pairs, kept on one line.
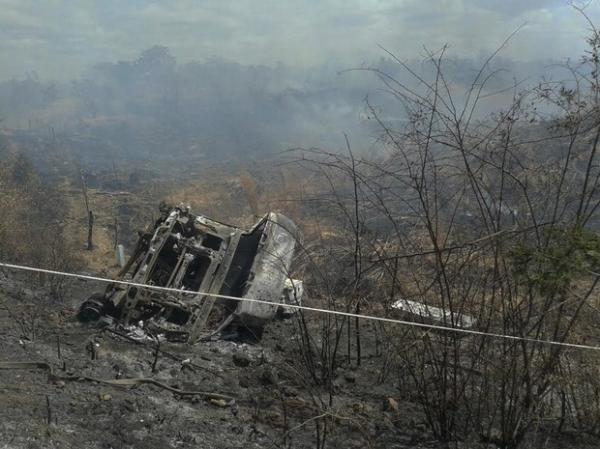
{"points": [[157, 57]]}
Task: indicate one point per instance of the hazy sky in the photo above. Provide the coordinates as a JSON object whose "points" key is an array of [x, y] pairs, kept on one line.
{"points": [[59, 38]]}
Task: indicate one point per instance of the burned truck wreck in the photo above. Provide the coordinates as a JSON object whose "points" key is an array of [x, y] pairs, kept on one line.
{"points": [[201, 257]]}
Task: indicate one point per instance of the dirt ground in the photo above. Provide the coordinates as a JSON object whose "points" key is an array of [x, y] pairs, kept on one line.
{"points": [[272, 405]]}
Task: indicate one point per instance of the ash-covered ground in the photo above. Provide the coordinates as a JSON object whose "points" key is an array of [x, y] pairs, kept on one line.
{"points": [[274, 403]]}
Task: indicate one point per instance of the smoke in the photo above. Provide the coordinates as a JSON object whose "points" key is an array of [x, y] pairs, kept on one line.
{"points": [[152, 107]]}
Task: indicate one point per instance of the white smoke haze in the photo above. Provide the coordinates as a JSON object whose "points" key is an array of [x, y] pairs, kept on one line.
{"points": [[59, 39], [179, 77]]}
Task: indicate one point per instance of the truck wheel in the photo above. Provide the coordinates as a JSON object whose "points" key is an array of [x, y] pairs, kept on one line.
{"points": [[92, 308]]}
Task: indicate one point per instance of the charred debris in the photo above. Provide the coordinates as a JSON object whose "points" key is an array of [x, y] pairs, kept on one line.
{"points": [[193, 253]]}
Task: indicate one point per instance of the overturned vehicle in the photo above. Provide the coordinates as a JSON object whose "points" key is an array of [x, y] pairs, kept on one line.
{"points": [[200, 258]]}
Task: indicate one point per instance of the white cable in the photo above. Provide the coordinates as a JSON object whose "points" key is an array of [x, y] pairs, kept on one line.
{"points": [[310, 309]]}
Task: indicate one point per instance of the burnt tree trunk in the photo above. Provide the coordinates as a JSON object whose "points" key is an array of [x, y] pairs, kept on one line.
{"points": [[90, 230]]}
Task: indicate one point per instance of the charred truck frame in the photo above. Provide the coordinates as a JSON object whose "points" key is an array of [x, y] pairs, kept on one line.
{"points": [[193, 253]]}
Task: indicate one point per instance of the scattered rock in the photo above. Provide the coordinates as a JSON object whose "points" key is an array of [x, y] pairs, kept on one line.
{"points": [[350, 377], [290, 391], [276, 419], [391, 405], [268, 376], [404, 439], [360, 407], [240, 359], [420, 427], [130, 405], [297, 403]]}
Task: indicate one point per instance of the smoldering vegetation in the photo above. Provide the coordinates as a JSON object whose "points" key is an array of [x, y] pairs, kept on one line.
{"points": [[153, 107], [493, 217]]}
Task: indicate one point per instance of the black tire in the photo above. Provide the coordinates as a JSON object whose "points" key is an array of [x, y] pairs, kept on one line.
{"points": [[92, 309]]}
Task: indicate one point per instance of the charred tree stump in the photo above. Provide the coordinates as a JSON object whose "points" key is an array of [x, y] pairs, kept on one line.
{"points": [[90, 230]]}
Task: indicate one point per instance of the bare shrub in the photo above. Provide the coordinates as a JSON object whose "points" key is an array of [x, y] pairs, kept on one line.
{"points": [[31, 229], [493, 218]]}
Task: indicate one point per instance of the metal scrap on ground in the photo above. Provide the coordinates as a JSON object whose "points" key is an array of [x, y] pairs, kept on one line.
{"points": [[423, 313]]}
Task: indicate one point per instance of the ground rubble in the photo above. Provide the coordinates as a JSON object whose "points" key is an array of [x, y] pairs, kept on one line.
{"points": [[270, 403], [70, 399]]}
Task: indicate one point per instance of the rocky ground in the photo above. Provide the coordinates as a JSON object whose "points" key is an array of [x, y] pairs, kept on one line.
{"points": [[272, 404]]}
